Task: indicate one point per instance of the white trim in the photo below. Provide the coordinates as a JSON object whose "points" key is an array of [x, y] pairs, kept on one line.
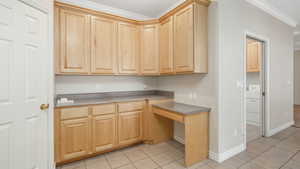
{"points": [[107, 9], [51, 163], [179, 139], [266, 125], [220, 157], [274, 12], [271, 132]]}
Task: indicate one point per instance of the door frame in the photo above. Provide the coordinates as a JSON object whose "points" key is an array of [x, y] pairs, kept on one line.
{"points": [[51, 85], [264, 100]]}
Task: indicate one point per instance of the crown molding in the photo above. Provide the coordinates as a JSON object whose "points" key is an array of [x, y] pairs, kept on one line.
{"points": [[107, 9], [273, 11]]}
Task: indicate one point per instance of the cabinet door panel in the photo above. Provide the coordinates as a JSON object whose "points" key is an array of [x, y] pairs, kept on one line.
{"points": [[149, 50], [130, 127], [184, 40], [74, 41], [104, 132], [128, 48], [254, 52], [166, 46], [74, 138], [103, 46]]}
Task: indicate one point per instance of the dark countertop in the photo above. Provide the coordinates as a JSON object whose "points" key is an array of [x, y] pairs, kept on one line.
{"points": [[112, 97], [181, 108]]}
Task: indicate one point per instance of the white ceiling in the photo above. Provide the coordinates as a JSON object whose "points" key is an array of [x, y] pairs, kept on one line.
{"points": [[150, 8]]}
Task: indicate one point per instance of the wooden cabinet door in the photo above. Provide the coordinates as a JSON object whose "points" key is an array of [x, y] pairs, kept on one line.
{"points": [[104, 132], [130, 127], [149, 50], [75, 138], [74, 42], [128, 48], [254, 52], [103, 45], [184, 40], [166, 46]]}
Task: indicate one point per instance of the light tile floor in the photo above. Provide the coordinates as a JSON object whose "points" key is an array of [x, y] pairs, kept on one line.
{"points": [[253, 132], [281, 151]]}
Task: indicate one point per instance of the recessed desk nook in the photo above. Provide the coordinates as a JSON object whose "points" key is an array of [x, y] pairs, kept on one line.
{"points": [[195, 120]]}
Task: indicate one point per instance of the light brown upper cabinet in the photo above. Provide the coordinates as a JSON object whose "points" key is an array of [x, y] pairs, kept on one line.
{"points": [[184, 37], [166, 46], [128, 48], [254, 52], [149, 50], [90, 42], [74, 42], [103, 45], [190, 39]]}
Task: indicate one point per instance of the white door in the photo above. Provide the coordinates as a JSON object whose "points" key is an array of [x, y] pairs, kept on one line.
{"points": [[23, 86]]}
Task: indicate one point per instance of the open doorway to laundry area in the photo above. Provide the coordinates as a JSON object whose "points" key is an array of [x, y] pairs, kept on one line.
{"points": [[255, 88]]}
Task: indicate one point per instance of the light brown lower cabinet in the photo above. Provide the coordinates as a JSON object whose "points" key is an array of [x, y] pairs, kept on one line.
{"points": [[74, 138], [84, 131], [130, 127], [104, 135]]}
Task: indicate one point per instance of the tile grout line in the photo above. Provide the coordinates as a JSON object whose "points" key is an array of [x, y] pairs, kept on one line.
{"points": [[280, 141], [298, 151]]}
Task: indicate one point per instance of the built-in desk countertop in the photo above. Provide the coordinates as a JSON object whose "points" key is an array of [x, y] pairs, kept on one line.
{"points": [[195, 120], [181, 108]]}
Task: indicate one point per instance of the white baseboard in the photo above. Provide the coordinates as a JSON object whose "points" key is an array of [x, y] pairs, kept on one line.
{"points": [[274, 131], [220, 157], [179, 139]]}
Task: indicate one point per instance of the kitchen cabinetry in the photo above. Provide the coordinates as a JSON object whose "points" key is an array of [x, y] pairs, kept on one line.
{"points": [[103, 45], [74, 138], [104, 127], [183, 40], [130, 127], [89, 42], [149, 50], [190, 39], [128, 48], [74, 42], [84, 131], [254, 52], [166, 46], [104, 132]]}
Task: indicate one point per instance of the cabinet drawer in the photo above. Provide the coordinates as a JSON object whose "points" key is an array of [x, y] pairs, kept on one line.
{"points": [[104, 109], [168, 114], [130, 106], [77, 112]]}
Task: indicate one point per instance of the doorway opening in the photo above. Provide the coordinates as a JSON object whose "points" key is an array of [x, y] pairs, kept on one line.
{"points": [[255, 88]]}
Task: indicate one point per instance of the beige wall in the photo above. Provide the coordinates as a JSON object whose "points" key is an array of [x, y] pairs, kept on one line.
{"points": [[297, 78], [92, 84], [236, 17]]}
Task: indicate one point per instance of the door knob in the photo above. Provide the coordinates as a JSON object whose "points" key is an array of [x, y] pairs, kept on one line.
{"points": [[44, 106]]}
